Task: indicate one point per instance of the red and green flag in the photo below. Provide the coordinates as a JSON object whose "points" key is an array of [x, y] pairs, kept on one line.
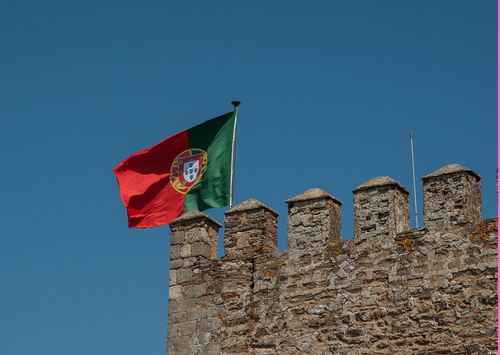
{"points": [[189, 171]]}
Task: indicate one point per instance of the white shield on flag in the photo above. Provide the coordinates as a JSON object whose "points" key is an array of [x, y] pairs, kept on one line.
{"points": [[191, 170]]}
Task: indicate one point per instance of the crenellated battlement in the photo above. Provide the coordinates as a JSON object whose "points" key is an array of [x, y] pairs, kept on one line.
{"points": [[388, 290], [250, 229]]}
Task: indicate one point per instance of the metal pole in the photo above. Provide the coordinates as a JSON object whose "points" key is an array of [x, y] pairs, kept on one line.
{"points": [[414, 189], [231, 189]]}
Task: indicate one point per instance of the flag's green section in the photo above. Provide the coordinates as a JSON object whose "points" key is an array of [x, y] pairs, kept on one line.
{"points": [[215, 137]]}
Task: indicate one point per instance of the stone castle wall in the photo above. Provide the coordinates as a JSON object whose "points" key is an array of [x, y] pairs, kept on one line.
{"points": [[388, 290]]}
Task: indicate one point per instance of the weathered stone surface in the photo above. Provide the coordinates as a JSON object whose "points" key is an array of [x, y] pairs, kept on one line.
{"points": [[389, 290], [174, 292], [314, 221], [177, 238], [183, 275], [452, 199], [250, 229], [381, 207], [191, 229]]}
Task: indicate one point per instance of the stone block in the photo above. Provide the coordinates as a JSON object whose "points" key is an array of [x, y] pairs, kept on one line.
{"points": [[197, 314], [186, 329], [182, 304], [178, 345], [213, 311], [176, 317], [174, 292], [202, 338], [188, 262], [175, 264], [208, 324], [186, 251], [200, 249], [183, 275], [177, 238], [171, 331], [195, 290], [198, 235], [173, 277], [175, 252]]}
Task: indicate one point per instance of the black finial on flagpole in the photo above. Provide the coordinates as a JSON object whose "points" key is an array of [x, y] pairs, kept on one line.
{"points": [[235, 104]]}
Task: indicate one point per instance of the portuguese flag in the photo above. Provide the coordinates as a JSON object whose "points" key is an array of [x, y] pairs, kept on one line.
{"points": [[189, 171]]}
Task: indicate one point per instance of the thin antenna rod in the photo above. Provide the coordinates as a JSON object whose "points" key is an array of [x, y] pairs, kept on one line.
{"points": [[231, 188], [414, 189]]}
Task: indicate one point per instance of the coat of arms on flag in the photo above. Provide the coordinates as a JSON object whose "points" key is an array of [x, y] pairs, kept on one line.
{"points": [[187, 169]]}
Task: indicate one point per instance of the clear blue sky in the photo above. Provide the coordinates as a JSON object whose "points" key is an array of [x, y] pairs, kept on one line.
{"points": [[329, 92]]}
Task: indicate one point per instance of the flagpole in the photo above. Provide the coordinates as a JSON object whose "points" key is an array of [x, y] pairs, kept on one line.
{"points": [[231, 189], [414, 189]]}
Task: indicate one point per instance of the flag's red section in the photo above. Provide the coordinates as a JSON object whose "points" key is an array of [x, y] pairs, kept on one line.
{"points": [[144, 181]]}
